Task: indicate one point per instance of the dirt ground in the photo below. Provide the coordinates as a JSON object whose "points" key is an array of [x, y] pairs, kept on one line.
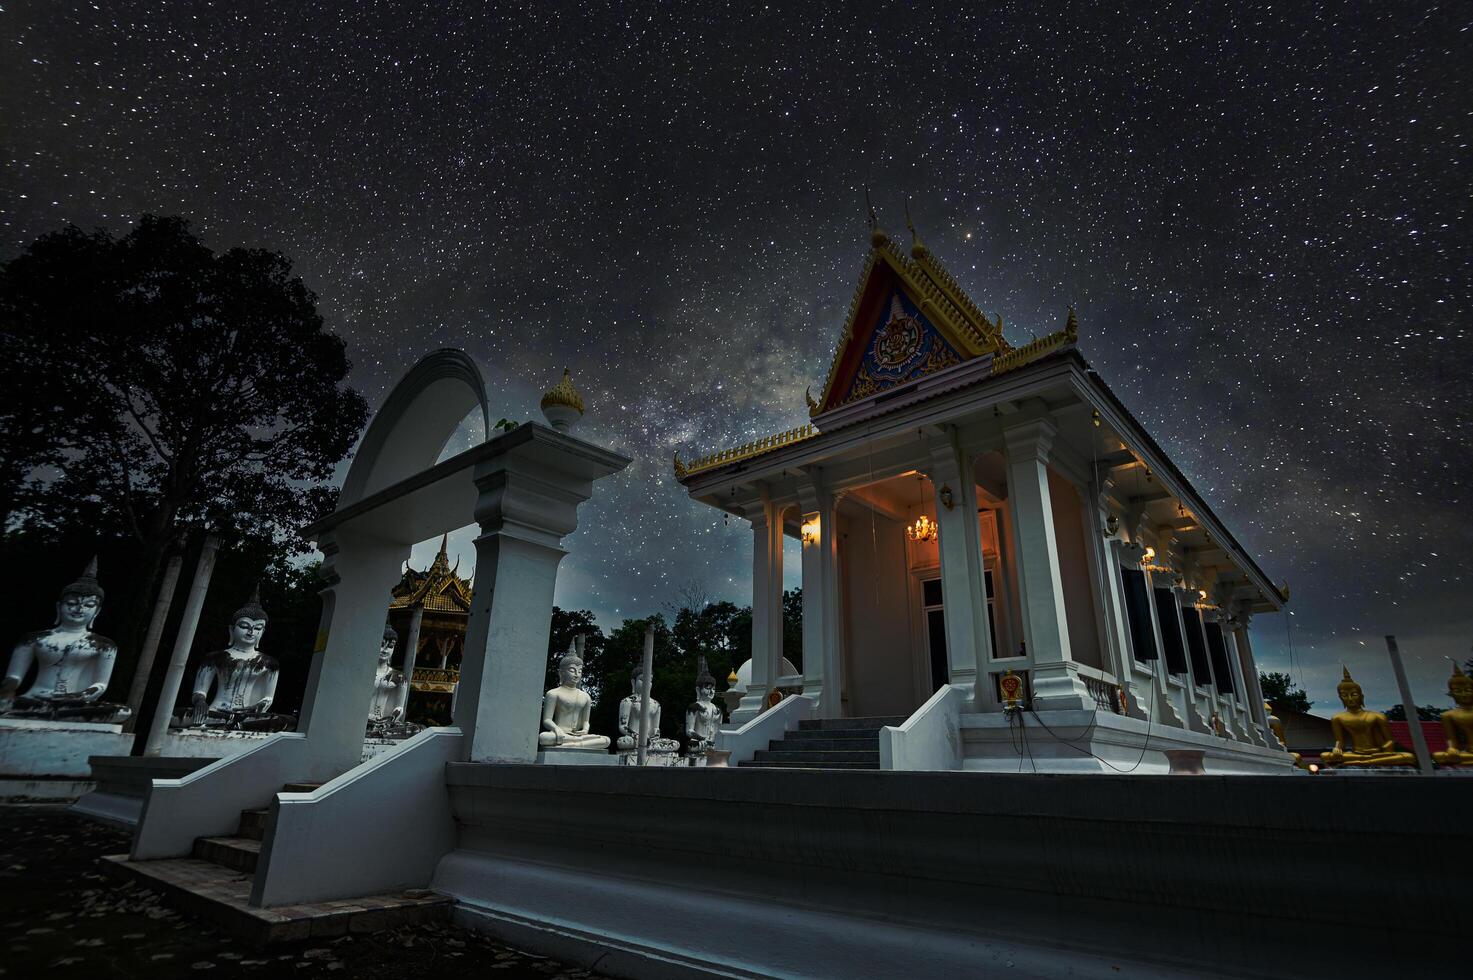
{"points": [[64, 918]]}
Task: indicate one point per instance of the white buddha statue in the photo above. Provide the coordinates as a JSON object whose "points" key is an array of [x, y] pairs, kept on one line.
{"points": [[243, 678], [390, 691], [73, 664], [629, 710], [702, 717], [565, 710]]}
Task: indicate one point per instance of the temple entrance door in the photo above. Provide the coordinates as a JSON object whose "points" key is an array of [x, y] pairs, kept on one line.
{"points": [[934, 624]]}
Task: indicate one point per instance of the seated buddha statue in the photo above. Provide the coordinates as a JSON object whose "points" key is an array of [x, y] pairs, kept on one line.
{"points": [[565, 710], [243, 679], [390, 693], [73, 664], [629, 710], [1458, 722], [702, 717], [1368, 735]]}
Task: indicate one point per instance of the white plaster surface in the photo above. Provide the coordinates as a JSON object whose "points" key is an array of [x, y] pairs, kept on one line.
{"points": [[204, 744], [930, 739], [59, 749], [576, 757], [207, 803], [744, 742], [379, 827]]}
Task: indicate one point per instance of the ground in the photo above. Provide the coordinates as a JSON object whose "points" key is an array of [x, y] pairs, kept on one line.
{"points": [[64, 918]]}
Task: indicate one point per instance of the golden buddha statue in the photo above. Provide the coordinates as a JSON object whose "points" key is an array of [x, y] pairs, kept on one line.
{"points": [[1369, 736], [1458, 722]]}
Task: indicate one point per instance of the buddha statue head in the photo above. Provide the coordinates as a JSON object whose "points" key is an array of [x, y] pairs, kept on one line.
{"points": [[570, 669], [81, 601], [705, 683], [1350, 692], [387, 644], [248, 624], [637, 682], [1460, 687]]}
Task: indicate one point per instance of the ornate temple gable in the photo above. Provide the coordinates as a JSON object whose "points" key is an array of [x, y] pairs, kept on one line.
{"points": [[439, 588], [908, 319]]}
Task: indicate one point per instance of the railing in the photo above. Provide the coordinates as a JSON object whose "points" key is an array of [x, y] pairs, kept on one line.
{"points": [[1102, 688]]}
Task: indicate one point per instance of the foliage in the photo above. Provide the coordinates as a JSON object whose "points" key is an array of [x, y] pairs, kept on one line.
{"points": [[173, 387], [1280, 691], [1426, 712]]}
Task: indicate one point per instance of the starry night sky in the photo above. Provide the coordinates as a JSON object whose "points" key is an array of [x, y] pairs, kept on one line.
{"points": [[1261, 215]]}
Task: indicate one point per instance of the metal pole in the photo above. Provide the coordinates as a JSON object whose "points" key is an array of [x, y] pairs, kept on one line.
{"points": [[1414, 721], [644, 702], [153, 636], [159, 727]]}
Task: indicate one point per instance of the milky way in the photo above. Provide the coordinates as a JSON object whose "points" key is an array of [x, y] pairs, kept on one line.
{"points": [[1261, 216]]}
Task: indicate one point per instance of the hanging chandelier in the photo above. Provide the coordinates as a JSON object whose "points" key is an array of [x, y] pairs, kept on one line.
{"points": [[924, 529]]}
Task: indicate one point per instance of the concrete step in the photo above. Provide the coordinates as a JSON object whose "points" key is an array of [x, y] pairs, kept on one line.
{"points": [[808, 765], [816, 759], [839, 724], [825, 744], [253, 823], [235, 853], [833, 734], [222, 896]]}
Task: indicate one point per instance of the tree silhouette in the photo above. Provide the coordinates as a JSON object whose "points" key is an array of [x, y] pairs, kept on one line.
{"points": [[172, 387], [1279, 691]]}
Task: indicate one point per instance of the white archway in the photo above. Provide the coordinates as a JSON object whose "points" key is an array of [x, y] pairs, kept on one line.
{"points": [[417, 419]]}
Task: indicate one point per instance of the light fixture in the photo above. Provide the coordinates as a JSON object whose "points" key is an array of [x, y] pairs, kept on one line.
{"points": [[1112, 525], [946, 497], [1149, 555], [810, 531], [924, 529]]}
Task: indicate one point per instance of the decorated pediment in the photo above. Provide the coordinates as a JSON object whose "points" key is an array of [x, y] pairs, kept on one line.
{"points": [[908, 320]]}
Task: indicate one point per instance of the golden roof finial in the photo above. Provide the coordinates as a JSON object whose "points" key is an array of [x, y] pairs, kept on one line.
{"points": [[917, 247], [1071, 326], [680, 467], [877, 236], [808, 397], [563, 393]]}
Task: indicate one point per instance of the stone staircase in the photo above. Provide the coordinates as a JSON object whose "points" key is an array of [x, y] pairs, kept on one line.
{"points": [[215, 884], [830, 743]]}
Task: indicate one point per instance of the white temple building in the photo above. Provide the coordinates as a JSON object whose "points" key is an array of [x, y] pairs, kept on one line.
{"points": [[969, 508]]}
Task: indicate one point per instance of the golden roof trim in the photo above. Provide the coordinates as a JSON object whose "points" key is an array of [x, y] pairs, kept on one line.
{"points": [[756, 447], [1033, 350]]}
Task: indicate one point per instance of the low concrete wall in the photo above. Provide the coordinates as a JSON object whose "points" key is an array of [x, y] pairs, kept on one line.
{"points": [[33, 749], [1205, 874], [744, 742], [379, 827], [930, 739], [207, 803], [123, 783]]}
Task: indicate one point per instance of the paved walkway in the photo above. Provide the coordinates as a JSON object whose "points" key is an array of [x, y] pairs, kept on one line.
{"points": [[64, 918]]}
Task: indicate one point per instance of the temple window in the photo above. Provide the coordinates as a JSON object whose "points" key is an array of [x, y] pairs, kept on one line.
{"points": [[1220, 668], [1196, 647], [1138, 614], [1166, 618]]}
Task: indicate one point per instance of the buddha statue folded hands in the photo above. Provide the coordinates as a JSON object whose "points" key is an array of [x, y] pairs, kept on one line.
{"points": [[565, 710], [73, 664], [1362, 738], [703, 717], [629, 711], [242, 678], [1457, 722]]}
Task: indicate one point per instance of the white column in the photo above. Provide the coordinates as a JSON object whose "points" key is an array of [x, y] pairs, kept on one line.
{"points": [[1250, 673], [963, 586], [411, 652], [1197, 719], [528, 500], [360, 571], [154, 635], [1056, 682], [820, 582], [159, 725], [767, 610]]}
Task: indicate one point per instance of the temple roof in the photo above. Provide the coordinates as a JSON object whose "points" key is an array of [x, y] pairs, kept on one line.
{"points": [[439, 588], [908, 320]]}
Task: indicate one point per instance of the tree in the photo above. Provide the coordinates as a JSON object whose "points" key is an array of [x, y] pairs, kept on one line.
{"points": [[1280, 691], [175, 387], [1425, 712], [567, 624]]}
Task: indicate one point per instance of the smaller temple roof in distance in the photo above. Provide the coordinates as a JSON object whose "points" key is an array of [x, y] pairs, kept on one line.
{"points": [[438, 589]]}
